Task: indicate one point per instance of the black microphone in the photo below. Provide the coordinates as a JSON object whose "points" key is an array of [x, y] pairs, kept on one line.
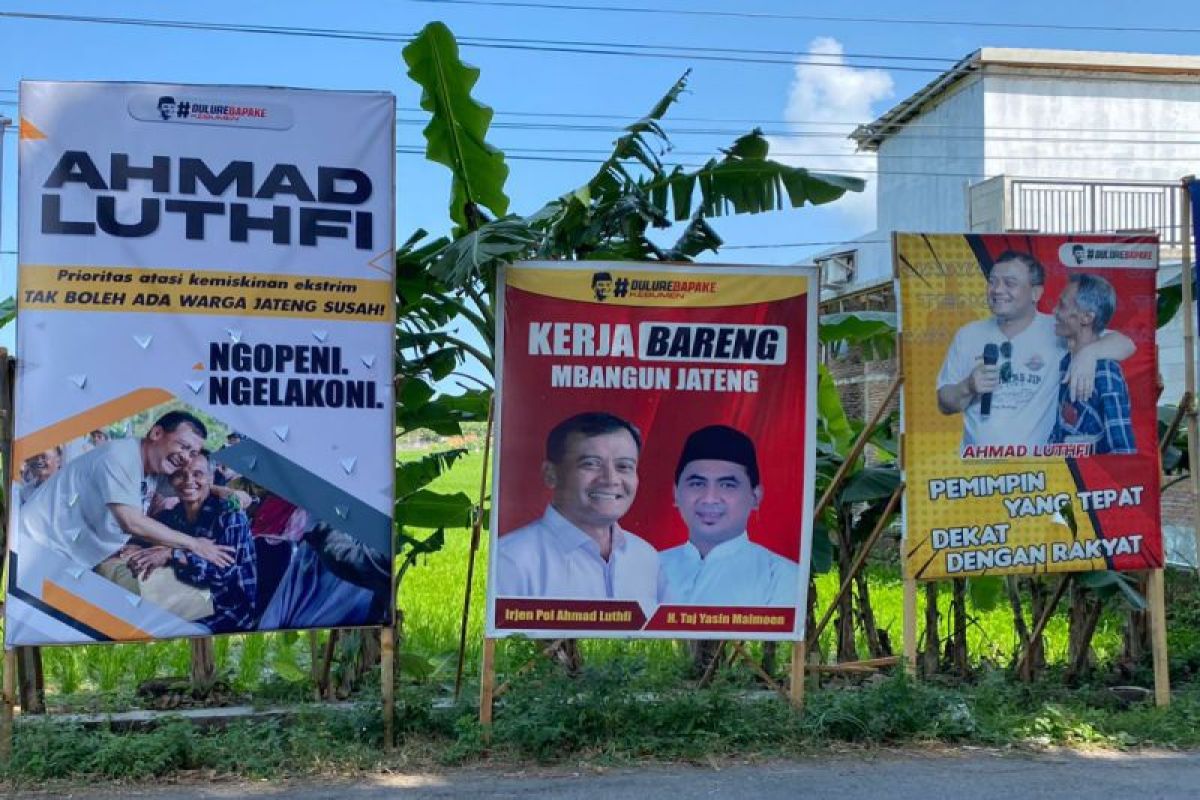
{"points": [[991, 354]]}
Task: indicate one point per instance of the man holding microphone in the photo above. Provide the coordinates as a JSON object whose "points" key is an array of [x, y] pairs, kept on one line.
{"points": [[1001, 373]]}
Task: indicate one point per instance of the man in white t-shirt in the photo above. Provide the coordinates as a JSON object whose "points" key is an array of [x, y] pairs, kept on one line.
{"points": [[717, 488], [90, 508], [1021, 388], [577, 549]]}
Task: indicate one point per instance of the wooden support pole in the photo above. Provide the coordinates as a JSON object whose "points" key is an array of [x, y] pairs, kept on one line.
{"points": [[796, 684], [314, 658], [859, 560], [476, 526], [1189, 356], [909, 623], [8, 693], [1156, 599], [8, 700], [870, 664], [203, 667], [487, 684], [857, 449], [547, 652], [757, 669], [324, 689], [710, 669], [8, 705], [387, 683]]}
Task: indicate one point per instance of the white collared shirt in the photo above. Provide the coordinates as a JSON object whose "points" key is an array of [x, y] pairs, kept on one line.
{"points": [[734, 573], [552, 558]]}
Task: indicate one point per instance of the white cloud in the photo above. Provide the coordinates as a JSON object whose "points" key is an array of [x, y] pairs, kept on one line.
{"points": [[823, 99]]}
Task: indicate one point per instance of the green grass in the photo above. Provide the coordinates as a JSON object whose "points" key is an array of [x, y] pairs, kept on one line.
{"points": [[618, 712], [431, 595], [432, 599]]}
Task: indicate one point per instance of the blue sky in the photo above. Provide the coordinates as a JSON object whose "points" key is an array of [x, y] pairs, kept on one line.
{"points": [[786, 97]]}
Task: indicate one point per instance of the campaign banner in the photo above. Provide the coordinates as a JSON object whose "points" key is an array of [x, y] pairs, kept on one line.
{"points": [[1029, 403], [203, 427], [655, 451]]}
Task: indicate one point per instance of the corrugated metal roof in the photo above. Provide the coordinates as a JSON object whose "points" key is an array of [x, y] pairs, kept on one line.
{"points": [[871, 135]]}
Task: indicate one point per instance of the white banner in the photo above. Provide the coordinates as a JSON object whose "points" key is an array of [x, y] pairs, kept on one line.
{"points": [[204, 343]]}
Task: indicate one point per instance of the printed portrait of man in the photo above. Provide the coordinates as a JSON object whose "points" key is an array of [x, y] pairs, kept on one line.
{"points": [[88, 510], [577, 549], [1103, 419], [1002, 373], [166, 107], [717, 489], [602, 285]]}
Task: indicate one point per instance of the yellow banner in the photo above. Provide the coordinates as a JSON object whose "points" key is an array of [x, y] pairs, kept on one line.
{"points": [[616, 284], [186, 291], [971, 517]]}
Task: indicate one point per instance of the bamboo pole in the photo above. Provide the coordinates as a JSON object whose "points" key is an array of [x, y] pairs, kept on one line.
{"points": [[487, 685], [387, 683], [1156, 598], [908, 615], [6, 708], [324, 689], [796, 684], [9, 691], [763, 675], [710, 670], [859, 560], [476, 526], [909, 632], [855, 451], [314, 658], [1189, 357], [866, 665], [547, 652]]}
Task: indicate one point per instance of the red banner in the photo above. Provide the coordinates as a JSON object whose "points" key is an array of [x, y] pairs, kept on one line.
{"points": [[693, 380]]}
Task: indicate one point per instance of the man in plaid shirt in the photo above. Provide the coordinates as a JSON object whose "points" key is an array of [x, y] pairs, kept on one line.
{"points": [[201, 514], [1102, 419]]}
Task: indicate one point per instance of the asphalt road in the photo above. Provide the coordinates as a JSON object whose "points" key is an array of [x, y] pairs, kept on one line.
{"points": [[970, 774]]}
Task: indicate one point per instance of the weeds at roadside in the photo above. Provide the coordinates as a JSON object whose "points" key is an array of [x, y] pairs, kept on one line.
{"points": [[614, 713]]}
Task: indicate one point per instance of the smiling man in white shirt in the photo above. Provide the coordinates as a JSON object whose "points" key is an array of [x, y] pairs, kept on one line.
{"points": [[577, 550], [717, 488]]}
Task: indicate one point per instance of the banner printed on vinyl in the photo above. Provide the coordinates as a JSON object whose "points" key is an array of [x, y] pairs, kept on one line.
{"points": [[204, 393], [655, 466], [1030, 438]]}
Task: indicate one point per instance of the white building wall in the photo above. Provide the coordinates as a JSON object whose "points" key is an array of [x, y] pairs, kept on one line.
{"points": [[924, 172], [1102, 123]]}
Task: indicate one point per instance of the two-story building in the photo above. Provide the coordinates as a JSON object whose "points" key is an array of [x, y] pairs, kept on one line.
{"points": [[1047, 141]]}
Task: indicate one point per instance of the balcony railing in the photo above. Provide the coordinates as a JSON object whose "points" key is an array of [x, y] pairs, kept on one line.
{"points": [[1065, 206]]}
